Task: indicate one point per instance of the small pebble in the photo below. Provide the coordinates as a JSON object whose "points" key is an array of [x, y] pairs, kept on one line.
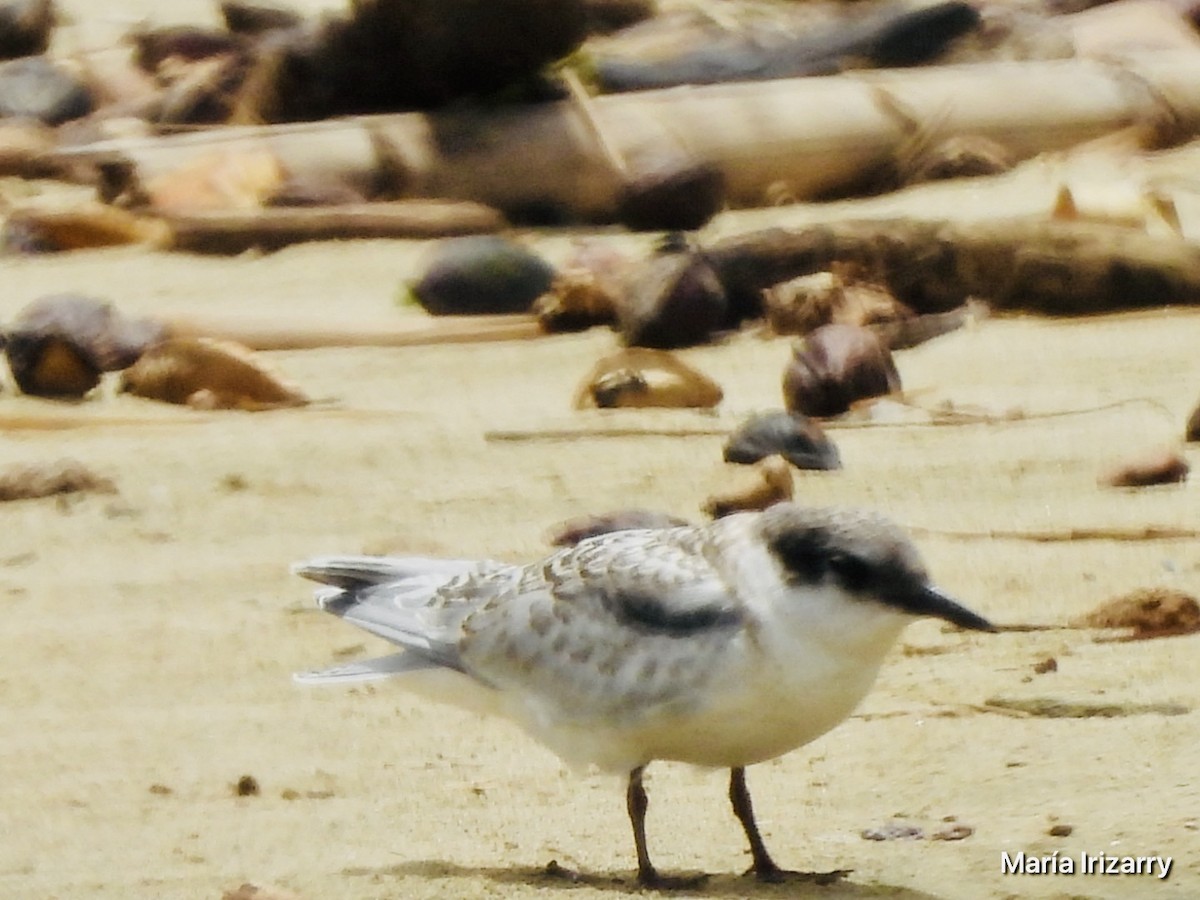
{"points": [[894, 831], [955, 832], [1049, 664]]}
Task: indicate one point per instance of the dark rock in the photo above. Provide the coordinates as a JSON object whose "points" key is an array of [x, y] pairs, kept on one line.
{"points": [[35, 88], [257, 18], [480, 275], [672, 196], [836, 366], [1192, 432], [1147, 613], [59, 345], [796, 438], [675, 301], [25, 27], [1164, 466], [572, 531]]}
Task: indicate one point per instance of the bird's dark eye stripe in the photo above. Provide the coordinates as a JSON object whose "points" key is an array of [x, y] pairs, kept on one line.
{"points": [[852, 572], [810, 560], [805, 560]]}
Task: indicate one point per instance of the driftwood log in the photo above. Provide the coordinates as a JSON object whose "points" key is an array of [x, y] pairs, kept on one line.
{"points": [[298, 333], [1061, 268], [233, 231], [800, 138]]}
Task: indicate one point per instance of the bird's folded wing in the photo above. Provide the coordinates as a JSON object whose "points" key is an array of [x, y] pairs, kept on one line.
{"points": [[626, 622]]}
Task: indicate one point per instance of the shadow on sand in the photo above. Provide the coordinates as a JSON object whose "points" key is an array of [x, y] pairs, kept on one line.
{"points": [[724, 885]]}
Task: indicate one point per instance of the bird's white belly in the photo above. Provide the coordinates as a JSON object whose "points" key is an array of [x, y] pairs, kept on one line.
{"points": [[741, 723]]}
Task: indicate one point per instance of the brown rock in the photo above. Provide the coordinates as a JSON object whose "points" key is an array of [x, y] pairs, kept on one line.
{"points": [[639, 378], [677, 300], [572, 531], [1192, 432], [839, 296], [1147, 613], [208, 374], [772, 483], [1164, 466], [836, 366], [250, 891], [59, 345]]}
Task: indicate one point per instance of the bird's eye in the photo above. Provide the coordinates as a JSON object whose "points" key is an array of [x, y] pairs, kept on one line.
{"points": [[852, 572]]}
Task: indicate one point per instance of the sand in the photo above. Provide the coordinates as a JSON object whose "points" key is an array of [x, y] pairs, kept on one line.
{"points": [[150, 635]]}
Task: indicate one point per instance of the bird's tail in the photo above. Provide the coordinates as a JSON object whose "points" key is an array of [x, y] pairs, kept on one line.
{"points": [[394, 598]]}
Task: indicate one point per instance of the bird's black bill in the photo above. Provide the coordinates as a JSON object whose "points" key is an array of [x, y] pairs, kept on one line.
{"points": [[929, 601]]}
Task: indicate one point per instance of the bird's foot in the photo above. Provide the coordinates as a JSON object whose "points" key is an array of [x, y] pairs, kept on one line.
{"points": [[772, 874], [651, 880]]}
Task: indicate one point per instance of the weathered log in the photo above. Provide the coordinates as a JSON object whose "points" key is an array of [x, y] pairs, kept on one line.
{"points": [[1061, 268], [32, 230], [278, 333], [801, 138], [233, 231], [893, 36]]}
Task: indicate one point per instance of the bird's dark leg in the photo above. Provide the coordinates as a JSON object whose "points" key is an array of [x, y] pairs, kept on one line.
{"points": [[764, 868], [637, 802]]}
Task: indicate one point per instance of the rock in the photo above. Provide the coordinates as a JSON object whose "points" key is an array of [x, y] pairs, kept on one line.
{"points": [[836, 366], [481, 275], [840, 296], [572, 531], [26, 27], [59, 345], [587, 287], [676, 301], [257, 18], [1042, 667], [796, 438], [639, 378], [1147, 613], [894, 831], [772, 484], [953, 831], [248, 891], [1192, 431], [1163, 466], [672, 196], [208, 374], [36, 88]]}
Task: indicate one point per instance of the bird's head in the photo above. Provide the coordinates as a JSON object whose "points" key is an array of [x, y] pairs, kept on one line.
{"points": [[857, 556]]}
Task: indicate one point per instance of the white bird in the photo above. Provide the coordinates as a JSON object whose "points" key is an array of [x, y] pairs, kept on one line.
{"points": [[720, 645]]}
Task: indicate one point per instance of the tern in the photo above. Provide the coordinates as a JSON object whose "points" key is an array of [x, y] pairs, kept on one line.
{"points": [[720, 645]]}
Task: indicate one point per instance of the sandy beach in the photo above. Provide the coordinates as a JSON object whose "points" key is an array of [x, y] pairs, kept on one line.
{"points": [[150, 635]]}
